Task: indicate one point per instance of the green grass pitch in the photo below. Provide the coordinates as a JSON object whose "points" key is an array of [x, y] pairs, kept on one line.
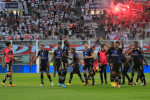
{"points": [[27, 88]]}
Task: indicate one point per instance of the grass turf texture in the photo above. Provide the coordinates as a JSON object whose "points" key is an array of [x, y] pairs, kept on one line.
{"points": [[27, 88]]}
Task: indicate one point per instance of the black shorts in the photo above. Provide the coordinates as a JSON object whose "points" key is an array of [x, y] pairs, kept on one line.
{"points": [[117, 67], [44, 67], [9, 67], [58, 64], [65, 64], [88, 66], [138, 67], [76, 69]]}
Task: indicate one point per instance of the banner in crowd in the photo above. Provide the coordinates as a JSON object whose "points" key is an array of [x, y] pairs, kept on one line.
{"points": [[7, 5], [11, 5], [118, 36], [24, 36], [101, 4]]}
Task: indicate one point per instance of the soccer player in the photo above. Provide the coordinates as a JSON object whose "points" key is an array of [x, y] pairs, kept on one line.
{"points": [[65, 62], [95, 63], [9, 60], [137, 55], [108, 52], [117, 63], [76, 66], [88, 56], [44, 65], [102, 60], [138, 75], [58, 53], [125, 69]]}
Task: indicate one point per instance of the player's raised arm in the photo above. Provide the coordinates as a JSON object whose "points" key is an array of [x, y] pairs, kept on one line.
{"points": [[122, 45], [95, 44], [3, 59], [104, 42]]}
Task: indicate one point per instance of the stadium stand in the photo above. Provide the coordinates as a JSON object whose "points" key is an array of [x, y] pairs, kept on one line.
{"points": [[58, 19]]}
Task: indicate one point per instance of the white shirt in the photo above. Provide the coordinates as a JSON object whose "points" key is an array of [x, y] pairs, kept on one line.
{"points": [[70, 32]]}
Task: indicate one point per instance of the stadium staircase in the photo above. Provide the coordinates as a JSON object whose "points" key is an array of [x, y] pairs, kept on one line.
{"points": [[100, 32]]}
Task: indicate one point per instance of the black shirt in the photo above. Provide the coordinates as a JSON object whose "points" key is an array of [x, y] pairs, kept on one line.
{"points": [[116, 55], [88, 52], [58, 54], [75, 58], [43, 55], [109, 52], [137, 56], [66, 51]]}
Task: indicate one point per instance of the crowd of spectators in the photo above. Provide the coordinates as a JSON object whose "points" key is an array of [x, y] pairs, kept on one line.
{"points": [[51, 18], [57, 19], [134, 24]]}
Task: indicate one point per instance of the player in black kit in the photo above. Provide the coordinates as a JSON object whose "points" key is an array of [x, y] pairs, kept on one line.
{"points": [[138, 75], [58, 60], [125, 69], [88, 60], [117, 64], [137, 55], [65, 63], [94, 72], [44, 65], [76, 67]]}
